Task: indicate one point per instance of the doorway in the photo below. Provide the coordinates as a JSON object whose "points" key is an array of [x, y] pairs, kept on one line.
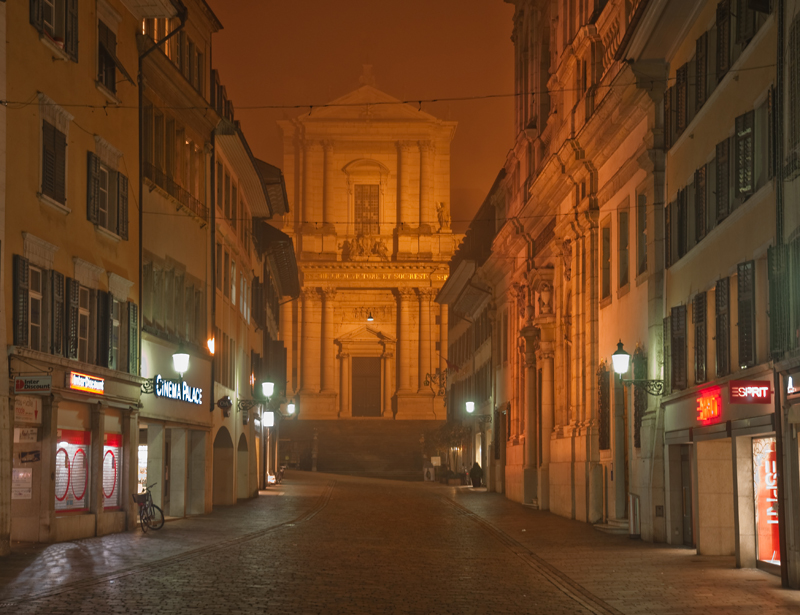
{"points": [[242, 469], [366, 386], [686, 495], [223, 468]]}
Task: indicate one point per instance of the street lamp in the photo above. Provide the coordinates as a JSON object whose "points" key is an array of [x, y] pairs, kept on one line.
{"points": [[621, 360], [290, 408], [369, 317], [267, 388], [180, 360], [470, 407], [180, 363]]}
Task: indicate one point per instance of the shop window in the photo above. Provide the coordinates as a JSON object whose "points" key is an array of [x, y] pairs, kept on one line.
{"points": [[72, 490], [765, 500], [112, 470], [141, 475]]}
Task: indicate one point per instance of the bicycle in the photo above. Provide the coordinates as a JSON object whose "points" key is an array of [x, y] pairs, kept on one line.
{"points": [[150, 515]]}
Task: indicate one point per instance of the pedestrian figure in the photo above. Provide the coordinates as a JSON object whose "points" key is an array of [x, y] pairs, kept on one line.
{"points": [[476, 474]]}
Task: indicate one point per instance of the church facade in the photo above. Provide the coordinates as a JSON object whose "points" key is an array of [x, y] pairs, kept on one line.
{"points": [[368, 181]]}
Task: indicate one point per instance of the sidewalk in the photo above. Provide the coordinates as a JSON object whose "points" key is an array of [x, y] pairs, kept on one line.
{"points": [[630, 575]]}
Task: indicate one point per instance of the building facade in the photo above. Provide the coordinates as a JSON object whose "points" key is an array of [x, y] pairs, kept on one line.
{"points": [[369, 182]]}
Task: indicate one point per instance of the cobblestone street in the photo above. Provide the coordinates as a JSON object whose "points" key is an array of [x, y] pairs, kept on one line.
{"points": [[331, 544]]}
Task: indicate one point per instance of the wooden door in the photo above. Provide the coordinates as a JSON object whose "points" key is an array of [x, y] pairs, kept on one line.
{"points": [[366, 386]]}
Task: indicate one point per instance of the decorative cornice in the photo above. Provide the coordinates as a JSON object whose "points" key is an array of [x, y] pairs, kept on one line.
{"points": [[119, 287], [86, 273], [51, 112], [108, 154], [38, 251]]}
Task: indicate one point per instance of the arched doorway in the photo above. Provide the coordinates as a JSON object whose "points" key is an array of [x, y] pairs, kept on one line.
{"points": [[223, 468], [242, 469]]}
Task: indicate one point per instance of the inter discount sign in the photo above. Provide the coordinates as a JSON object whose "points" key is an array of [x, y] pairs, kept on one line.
{"points": [[750, 391]]}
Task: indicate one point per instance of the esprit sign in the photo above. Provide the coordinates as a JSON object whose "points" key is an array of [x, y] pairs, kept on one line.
{"points": [[750, 391], [179, 391], [709, 406], [86, 383]]}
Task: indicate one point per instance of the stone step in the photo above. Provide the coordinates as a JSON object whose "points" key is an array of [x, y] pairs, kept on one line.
{"points": [[613, 526]]}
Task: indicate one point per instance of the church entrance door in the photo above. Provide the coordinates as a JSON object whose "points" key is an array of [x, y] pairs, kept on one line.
{"points": [[366, 386]]}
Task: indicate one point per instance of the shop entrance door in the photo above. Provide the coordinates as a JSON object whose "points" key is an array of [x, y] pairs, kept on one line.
{"points": [[366, 386], [686, 491]]}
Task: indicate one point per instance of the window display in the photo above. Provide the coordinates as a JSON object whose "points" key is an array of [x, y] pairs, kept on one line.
{"points": [[765, 494]]}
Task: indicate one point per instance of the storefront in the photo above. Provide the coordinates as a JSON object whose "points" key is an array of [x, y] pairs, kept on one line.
{"points": [[74, 449], [174, 426], [721, 471]]}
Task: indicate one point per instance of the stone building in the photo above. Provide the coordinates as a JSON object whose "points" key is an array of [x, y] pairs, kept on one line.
{"points": [[368, 180]]}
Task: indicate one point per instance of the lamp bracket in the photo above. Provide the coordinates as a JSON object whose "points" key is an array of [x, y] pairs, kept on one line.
{"points": [[652, 387]]}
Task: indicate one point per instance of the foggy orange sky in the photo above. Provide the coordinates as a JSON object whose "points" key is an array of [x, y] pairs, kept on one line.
{"points": [[301, 52]]}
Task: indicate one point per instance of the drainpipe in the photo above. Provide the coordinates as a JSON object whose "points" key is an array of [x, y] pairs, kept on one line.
{"points": [[140, 80], [212, 215]]}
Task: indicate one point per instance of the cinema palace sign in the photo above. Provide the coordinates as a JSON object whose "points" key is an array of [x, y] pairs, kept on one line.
{"points": [[177, 390]]}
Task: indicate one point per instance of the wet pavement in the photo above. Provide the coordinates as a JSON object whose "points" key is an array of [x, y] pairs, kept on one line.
{"points": [[331, 544]]}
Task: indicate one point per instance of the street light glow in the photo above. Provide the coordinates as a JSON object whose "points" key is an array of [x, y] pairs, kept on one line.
{"points": [[470, 407], [290, 408], [621, 360], [180, 361], [267, 388]]}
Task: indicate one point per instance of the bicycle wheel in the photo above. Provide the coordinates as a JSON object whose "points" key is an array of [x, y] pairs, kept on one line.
{"points": [[144, 518], [155, 519]]}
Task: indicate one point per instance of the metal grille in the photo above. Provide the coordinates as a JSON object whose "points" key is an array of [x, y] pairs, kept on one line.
{"points": [[112, 470], [603, 407], [366, 209]]}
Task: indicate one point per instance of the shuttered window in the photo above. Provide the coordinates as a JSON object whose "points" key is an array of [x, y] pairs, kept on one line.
{"points": [[366, 209], [722, 337], [745, 22], [641, 234], [744, 148], [681, 223], [668, 235], [106, 197], [623, 232], [35, 308], [793, 98], [701, 71], [666, 335], [54, 163], [678, 347], [606, 262], [58, 20], [700, 333], [722, 180], [681, 99], [72, 317], [700, 200], [57, 312], [107, 49], [668, 120], [747, 314], [723, 39]]}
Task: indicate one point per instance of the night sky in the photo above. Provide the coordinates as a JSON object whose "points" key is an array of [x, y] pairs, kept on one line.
{"points": [[302, 52]]}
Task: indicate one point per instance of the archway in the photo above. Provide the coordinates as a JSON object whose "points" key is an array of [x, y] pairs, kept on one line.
{"points": [[223, 468], [242, 469]]}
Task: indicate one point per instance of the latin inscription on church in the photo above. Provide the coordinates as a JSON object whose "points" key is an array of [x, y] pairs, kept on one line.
{"points": [[347, 275]]}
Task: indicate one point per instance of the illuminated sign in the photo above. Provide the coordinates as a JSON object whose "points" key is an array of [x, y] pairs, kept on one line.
{"points": [[86, 383], [750, 391], [709, 406], [792, 388], [765, 499], [178, 390]]}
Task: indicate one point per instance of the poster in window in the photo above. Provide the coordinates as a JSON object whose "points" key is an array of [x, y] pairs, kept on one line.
{"points": [[112, 470], [21, 483], [765, 494], [72, 471]]}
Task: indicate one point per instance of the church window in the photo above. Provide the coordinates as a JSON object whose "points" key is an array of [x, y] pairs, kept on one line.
{"points": [[366, 209]]}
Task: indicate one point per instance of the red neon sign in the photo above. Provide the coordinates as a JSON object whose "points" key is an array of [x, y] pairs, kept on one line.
{"points": [[750, 392], [709, 406]]}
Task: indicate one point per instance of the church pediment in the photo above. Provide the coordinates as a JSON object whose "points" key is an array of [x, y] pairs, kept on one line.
{"points": [[365, 333], [368, 102]]}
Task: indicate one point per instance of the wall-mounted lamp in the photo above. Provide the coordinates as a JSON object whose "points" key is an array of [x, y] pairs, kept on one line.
{"points": [[621, 360], [267, 389], [180, 360], [290, 408], [369, 317], [211, 344], [470, 407]]}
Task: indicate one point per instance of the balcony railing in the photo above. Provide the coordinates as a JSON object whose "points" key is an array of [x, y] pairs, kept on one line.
{"points": [[175, 190]]}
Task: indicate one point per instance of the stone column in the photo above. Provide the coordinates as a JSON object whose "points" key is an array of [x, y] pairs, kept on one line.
{"points": [[309, 353], [287, 323], [408, 216], [388, 388], [530, 335], [426, 157], [344, 384], [327, 195], [425, 296], [47, 503], [155, 461], [312, 180], [328, 349], [443, 337], [405, 296], [545, 358], [96, 498]]}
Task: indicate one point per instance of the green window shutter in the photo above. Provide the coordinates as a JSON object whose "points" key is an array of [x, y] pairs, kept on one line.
{"points": [[122, 206], [133, 338], [722, 337], [60, 185], [57, 296], [36, 17], [21, 287], [71, 30], [71, 302], [93, 188], [48, 159], [700, 198], [104, 328], [668, 235], [747, 314], [700, 333], [666, 337], [701, 70], [682, 223], [744, 155], [678, 347], [681, 98], [723, 38], [723, 180], [668, 118], [745, 22]]}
